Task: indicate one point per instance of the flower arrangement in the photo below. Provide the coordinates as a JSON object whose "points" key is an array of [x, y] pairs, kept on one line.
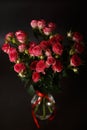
{"points": [[43, 63]]}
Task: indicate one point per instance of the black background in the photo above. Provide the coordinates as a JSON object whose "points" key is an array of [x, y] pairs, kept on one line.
{"points": [[15, 107]]}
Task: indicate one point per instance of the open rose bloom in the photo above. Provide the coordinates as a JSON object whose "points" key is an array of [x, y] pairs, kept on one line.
{"points": [[42, 63]]}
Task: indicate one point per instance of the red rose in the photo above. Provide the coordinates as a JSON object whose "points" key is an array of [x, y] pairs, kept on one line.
{"points": [[44, 44], [56, 38], [77, 37], [79, 47], [32, 44], [37, 51], [13, 54], [50, 61], [33, 65], [30, 50], [75, 60], [52, 25], [22, 47], [34, 23], [58, 67], [47, 31], [35, 77], [41, 24], [6, 47], [57, 48], [40, 66], [19, 67], [21, 36], [9, 36]]}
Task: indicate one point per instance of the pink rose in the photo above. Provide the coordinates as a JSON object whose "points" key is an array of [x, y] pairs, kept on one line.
{"points": [[22, 47], [58, 67], [21, 36], [35, 77], [19, 67], [13, 54], [40, 66], [48, 52], [6, 47], [57, 48], [41, 24], [35, 51], [30, 51], [33, 65], [52, 25], [79, 47], [34, 23], [47, 31], [77, 37], [9, 36], [50, 61], [32, 44], [75, 60]]}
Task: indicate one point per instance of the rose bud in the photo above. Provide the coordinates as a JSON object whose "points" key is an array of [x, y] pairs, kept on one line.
{"points": [[22, 75], [40, 66], [69, 34], [22, 47], [75, 60], [48, 52], [50, 61], [75, 70], [34, 24], [6, 47], [33, 65], [44, 44], [41, 24], [57, 48], [47, 31], [72, 51], [58, 67], [19, 67], [35, 77], [77, 37], [79, 47], [32, 44], [9, 36], [52, 25], [21, 36], [56, 38], [13, 54]]}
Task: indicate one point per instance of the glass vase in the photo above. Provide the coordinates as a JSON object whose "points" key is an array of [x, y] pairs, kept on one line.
{"points": [[43, 105]]}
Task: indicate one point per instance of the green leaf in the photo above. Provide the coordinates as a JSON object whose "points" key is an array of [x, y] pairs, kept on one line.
{"points": [[31, 90]]}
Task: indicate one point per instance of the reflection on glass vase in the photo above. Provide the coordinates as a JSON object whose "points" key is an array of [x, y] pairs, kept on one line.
{"points": [[43, 105]]}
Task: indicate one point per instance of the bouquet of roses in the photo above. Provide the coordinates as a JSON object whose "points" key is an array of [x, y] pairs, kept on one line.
{"points": [[42, 64]]}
